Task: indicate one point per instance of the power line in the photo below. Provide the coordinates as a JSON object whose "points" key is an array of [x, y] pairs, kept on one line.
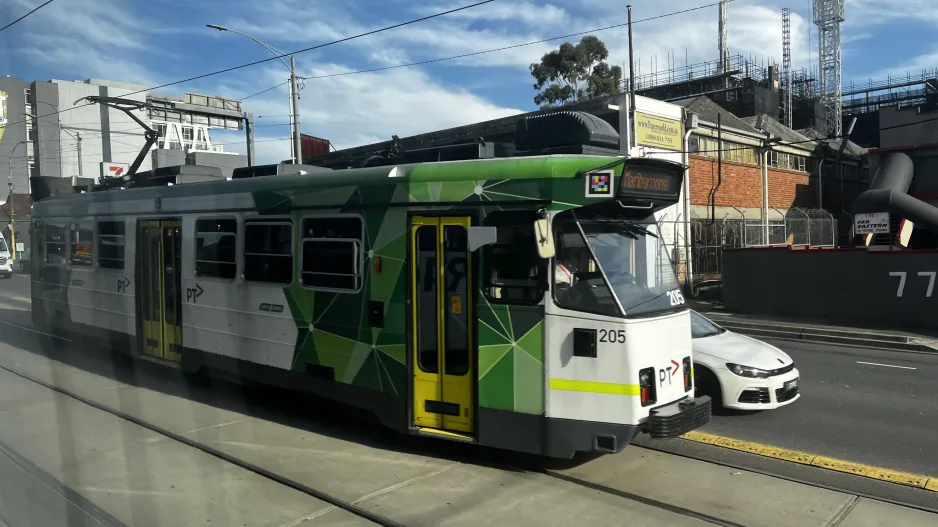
{"points": [[505, 48], [276, 57], [265, 91], [37, 8]]}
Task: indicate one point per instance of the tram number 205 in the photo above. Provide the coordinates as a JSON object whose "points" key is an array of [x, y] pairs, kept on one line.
{"points": [[676, 297]]}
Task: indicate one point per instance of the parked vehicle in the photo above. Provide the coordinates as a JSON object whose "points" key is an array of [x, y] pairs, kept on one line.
{"points": [[6, 259], [741, 372]]}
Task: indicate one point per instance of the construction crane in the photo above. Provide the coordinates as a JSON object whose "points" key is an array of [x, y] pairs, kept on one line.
{"points": [[786, 67], [828, 15]]}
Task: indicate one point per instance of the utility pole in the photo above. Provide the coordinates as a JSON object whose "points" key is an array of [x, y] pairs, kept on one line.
{"points": [[78, 138], [12, 202], [295, 97], [297, 154]]}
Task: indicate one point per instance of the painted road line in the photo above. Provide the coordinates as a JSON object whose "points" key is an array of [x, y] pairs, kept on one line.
{"points": [[886, 365], [803, 458]]}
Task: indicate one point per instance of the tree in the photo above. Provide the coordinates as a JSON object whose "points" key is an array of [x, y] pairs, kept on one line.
{"points": [[574, 73]]}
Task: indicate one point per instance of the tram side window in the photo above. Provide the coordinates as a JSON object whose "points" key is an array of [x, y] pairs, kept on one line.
{"points": [[332, 248], [215, 241], [111, 244], [514, 273], [80, 244], [55, 242], [268, 251]]}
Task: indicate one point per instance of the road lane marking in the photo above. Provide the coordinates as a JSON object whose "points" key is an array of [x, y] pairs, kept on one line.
{"points": [[803, 458], [36, 331], [886, 365]]}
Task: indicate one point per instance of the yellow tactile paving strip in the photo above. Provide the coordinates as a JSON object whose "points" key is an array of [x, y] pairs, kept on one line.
{"points": [[803, 458]]}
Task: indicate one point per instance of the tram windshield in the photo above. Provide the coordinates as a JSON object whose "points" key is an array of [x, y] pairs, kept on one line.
{"points": [[607, 263]]}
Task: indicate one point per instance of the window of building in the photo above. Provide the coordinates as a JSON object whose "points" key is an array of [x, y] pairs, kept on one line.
{"points": [[788, 161], [513, 271], [268, 251], [332, 253], [187, 133], [732, 151], [111, 244], [81, 244], [161, 130], [215, 241]]}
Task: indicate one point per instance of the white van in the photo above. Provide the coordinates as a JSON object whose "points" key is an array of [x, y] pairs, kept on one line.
{"points": [[6, 259]]}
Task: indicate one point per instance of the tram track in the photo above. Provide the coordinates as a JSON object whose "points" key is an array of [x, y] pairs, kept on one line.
{"points": [[351, 505], [288, 482]]}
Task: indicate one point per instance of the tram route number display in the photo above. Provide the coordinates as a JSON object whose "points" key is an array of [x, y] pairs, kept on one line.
{"points": [[929, 286]]}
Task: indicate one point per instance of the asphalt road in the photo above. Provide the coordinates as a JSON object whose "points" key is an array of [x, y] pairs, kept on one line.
{"points": [[883, 414]]}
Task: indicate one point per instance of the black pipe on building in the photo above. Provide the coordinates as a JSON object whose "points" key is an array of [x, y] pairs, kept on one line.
{"points": [[888, 192]]}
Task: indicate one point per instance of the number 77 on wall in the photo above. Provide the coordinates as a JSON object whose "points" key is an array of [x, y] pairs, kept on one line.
{"points": [[902, 274]]}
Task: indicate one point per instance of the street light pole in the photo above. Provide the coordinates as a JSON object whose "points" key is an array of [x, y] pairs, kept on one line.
{"points": [[296, 153], [12, 201], [295, 97]]}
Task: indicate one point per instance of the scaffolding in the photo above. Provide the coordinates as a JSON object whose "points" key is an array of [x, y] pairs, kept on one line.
{"points": [[786, 67], [914, 89]]}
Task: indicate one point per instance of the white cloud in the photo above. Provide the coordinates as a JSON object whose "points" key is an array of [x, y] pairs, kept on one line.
{"points": [[362, 109]]}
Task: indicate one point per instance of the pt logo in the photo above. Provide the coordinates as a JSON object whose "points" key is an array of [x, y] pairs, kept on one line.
{"points": [[193, 292], [665, 374], [123, 286]]}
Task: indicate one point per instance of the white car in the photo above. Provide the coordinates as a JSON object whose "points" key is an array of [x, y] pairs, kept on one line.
{"points": [[741, 372], [6, 259]]}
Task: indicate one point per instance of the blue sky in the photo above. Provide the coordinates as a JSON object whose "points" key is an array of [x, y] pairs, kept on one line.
{"points": [[156, 41]]}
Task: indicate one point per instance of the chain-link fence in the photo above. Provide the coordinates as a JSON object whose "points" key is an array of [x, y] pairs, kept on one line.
{"points": [[708, 239]]}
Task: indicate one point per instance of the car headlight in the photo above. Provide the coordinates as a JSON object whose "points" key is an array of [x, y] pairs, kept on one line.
{"points": [[747, 371]]}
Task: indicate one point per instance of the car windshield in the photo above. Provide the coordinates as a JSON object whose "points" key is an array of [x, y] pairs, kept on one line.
{"points": [[3, 246], [607, 263], [701, 327]]}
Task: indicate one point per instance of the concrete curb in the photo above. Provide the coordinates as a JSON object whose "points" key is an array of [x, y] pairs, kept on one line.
{"points": [[785, 331]]}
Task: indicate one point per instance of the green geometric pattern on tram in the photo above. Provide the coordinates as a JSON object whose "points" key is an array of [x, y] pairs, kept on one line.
{"points": [[511, 357], [333, 328]]}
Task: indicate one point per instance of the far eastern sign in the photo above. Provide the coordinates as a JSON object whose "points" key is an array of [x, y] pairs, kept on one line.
{"points": [[658, 132], [872, 223]]}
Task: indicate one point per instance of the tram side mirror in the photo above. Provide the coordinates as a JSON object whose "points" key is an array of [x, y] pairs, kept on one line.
{"points": [[482, 236], [544, 238]]}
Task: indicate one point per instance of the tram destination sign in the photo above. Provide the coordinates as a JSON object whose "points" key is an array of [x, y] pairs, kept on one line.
{"points": [[644, 181]]}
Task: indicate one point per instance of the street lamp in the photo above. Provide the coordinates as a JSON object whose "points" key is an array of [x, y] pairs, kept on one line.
{"points": [[12, 201], [294, 89]]}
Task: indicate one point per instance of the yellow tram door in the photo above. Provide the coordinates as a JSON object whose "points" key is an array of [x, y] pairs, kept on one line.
{"points": [[159, 288], [441, 301]]}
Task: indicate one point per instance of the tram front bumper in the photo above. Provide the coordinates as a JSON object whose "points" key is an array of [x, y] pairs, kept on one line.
{"points": [[678, 418]]}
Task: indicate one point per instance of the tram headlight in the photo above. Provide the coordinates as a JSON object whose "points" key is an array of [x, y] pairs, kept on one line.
{"points": [[646, 386]]}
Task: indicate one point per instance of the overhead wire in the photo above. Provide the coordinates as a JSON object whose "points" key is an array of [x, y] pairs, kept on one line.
{"points": [[277, 57], [37, 8]]}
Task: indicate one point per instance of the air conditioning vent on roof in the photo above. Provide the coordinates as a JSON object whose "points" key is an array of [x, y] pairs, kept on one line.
{"points": [[564, 128]]}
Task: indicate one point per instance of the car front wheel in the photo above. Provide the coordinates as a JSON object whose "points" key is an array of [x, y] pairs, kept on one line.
{"points": [[706, 383]]}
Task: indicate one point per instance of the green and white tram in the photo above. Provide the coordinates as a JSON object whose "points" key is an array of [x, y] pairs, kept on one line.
{"points": [[525, 302]]}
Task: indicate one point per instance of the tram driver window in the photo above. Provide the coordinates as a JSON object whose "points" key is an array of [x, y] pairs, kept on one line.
{"points": [[332, 253], [514, 272], [268, 251], [215, 248]]}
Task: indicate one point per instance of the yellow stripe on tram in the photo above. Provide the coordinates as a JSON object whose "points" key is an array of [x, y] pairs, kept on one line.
{"points": [[594, 387]]}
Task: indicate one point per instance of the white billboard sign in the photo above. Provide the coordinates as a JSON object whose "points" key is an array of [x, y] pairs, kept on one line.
{"points": [[871, 223]]}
